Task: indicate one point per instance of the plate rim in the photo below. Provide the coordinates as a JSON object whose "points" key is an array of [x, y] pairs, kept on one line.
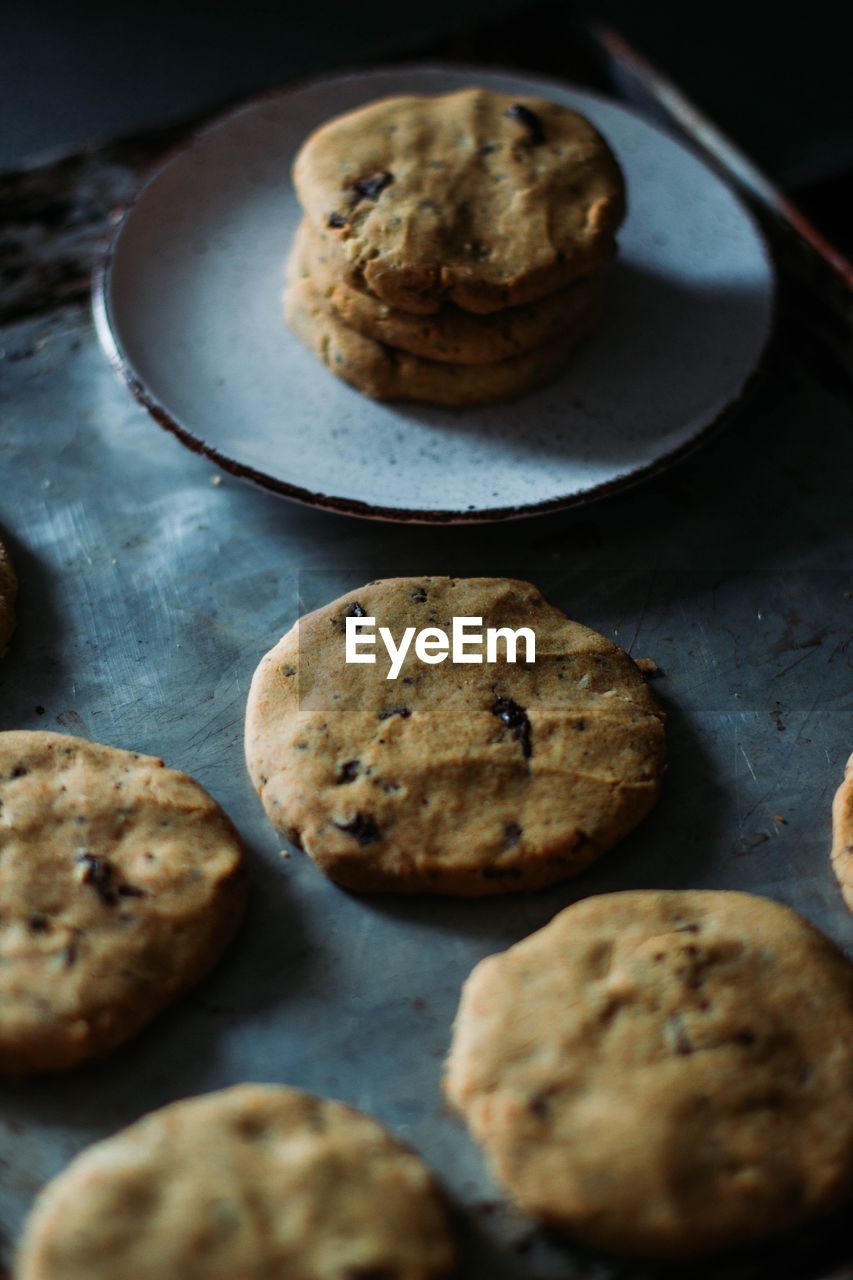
{"points": [[120, 362]]}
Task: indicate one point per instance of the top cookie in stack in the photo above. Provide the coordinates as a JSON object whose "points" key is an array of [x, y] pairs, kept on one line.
{"points": [[452, 247]]}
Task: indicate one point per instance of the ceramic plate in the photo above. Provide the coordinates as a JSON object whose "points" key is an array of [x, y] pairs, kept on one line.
{"points": [[188, 308]]}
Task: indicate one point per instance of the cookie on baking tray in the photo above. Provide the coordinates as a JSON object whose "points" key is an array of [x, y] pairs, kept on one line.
{"points": [[252, 1182], [8, 592], [842, 834], [120, 884], [476, 197], [386, 374], [663, 1073], [459, 779], [450, 334]]}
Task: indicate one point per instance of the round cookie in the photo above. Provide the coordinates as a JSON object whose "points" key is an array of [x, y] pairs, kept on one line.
{"points": [[120, 884], [459, 779], [8, 592], [663, 1074], [476, 197], [451, 334], [842, 834], [252, 1183], [387, 374]]}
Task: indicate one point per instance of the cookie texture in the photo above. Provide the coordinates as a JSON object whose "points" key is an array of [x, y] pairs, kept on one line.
{"points": [[387, 374], [451, 334], [252, 1183], [8, 592], [476, 197], [120, 884], [842, 834], [460, 779], [663, 1073]]}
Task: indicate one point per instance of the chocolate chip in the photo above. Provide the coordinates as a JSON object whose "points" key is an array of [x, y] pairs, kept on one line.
{"points": [[402, 712], [530, 121], [515, 718], [348, 770], [362, 828], [336, 220], [512, 834], [98, 873], [501, 873], [372, 187], [356, 611]]}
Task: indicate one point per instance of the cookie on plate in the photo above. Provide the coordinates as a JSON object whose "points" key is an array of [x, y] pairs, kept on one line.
{"points": [[250, 1183], [842, 834], [476, 197], [663, 1073], [121, 882], [469, 779], [8, 592], [387, 374], [451, 334]]}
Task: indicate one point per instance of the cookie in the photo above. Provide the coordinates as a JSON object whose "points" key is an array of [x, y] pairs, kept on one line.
{"points": [[451, 334], [120, 885], [842, 834], [8, 592], [663, 1074], [387, 374], [463, 779], [252, 1183], [476, 197]]}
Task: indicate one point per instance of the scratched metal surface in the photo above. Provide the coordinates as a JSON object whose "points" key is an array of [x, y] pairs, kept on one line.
{"points": [[149, 590]]}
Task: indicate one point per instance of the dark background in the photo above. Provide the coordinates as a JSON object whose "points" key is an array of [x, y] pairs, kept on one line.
{"points": [[71, 72]]}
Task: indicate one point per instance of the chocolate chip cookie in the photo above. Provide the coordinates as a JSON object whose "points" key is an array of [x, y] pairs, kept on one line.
{"points": [[842, 834], [458, 778], [388, 374], [120, 885], [475, 197], [250, 1183], [663, 1073], [451, 334]]}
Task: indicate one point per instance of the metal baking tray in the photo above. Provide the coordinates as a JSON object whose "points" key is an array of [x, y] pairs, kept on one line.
{"points": [[150, 588]]}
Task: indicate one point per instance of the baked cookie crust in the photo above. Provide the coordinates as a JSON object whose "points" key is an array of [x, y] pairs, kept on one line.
{"points": [[477, 197], [456, 779], [450, 335], [250, 1183], [384, 373], [663, 1074], [121, 883]]}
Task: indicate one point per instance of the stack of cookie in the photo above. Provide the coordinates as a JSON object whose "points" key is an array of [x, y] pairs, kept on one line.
{"points": [[452, 248]]}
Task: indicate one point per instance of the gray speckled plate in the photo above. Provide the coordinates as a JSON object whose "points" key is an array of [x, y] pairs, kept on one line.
{"points": [[188, 309]]}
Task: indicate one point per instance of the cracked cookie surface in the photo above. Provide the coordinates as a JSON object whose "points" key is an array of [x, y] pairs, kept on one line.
{"points": [[663, 1073], [252, 1182], [460, 779], [477, 197], [120, 884]]}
